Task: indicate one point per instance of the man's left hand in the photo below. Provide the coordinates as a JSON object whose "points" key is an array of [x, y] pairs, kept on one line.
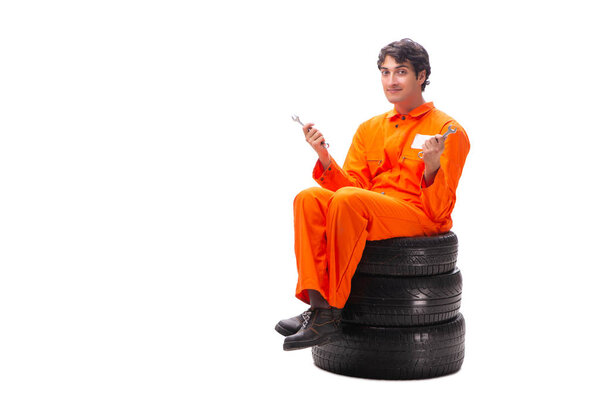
{"points": [[432, 151]]}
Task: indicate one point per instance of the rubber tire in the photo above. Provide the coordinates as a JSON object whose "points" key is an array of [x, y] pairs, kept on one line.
{"points": [[403, 301], [410, 256], [395, 353]]}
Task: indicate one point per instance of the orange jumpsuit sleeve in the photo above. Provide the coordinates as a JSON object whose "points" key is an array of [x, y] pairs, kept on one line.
{"points": [[438, 199], [355, 171]]}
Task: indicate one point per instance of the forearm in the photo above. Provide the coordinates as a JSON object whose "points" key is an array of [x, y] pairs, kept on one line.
{"points": [[430, 173], [335, 177], [325, 160]]}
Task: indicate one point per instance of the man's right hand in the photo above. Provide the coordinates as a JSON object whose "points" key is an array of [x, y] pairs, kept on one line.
{"points": [[315, 138]]}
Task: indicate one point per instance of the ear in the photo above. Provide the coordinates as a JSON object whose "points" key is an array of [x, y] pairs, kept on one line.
{"points": [[421, 77]]}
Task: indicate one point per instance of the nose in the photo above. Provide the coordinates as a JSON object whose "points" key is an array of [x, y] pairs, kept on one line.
{"points": [[388, 80], [392, 79], [395, 78]]}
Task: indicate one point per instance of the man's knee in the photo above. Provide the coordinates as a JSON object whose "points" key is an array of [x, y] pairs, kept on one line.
{"points": [[348, 193], [348, 197], [311, 195]]}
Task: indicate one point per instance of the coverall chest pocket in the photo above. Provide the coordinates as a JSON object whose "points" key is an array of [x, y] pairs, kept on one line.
{"points": [[410, 159], [375, 162]]}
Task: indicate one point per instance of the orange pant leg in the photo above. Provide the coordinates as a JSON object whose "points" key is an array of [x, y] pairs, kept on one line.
{"points": [[310, 211], [331, 229]]}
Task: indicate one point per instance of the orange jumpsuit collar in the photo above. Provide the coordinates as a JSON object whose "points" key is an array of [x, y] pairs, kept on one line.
{"points": [[414, 113]]}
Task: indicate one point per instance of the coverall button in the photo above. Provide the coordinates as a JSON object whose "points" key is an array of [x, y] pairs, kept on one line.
{"points": [[382, 192], [396, 125], [321, 178], [403, 118]]}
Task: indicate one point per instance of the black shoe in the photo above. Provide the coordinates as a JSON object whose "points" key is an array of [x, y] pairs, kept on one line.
{"points": [[289, 326], [320, 326]]}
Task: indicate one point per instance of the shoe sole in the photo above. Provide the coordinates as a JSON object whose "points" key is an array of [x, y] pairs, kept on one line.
{"points": [[285, 332], [306, 344]]}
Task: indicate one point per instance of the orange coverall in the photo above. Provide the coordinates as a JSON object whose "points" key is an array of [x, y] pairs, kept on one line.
{"points": [[379, 194]]}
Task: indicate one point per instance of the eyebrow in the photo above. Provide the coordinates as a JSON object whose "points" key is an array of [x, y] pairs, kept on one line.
{"points": [[398, 67]]}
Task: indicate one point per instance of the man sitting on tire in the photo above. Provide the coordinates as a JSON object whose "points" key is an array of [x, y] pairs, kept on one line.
{"points": [[398, 179]]}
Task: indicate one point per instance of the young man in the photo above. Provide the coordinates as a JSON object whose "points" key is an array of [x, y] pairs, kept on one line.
{"points": [[399, 179]]}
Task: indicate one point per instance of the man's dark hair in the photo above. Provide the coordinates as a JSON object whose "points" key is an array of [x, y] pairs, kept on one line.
{"points": [[407, 50]]}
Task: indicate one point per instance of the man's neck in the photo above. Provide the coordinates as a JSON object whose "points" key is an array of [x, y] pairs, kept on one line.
{"points": [[405, 108]]}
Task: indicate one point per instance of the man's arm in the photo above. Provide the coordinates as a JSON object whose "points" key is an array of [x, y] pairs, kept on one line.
{"points": [[328, 173], [432, 152], [315, 138], [442, 173]]}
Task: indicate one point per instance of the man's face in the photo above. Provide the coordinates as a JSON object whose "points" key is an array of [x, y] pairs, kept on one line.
{"points": [[400, 82]]}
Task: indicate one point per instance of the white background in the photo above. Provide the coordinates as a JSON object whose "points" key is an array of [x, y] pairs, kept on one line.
{"points": [[148, 165]]}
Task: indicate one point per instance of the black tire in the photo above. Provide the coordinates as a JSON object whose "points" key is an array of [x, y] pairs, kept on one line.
{"points": [[395, 353], [403, 301], [410, 256]]}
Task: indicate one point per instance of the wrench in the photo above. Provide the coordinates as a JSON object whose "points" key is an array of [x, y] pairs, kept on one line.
{"points": [[444, 136], [297, 119]]}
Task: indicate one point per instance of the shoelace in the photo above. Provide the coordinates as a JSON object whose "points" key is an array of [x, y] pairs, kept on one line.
{"points": [[306, 316]]}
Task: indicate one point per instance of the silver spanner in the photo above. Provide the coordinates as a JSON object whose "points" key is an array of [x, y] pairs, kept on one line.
{"points": [[297, 119], [444, 136]]}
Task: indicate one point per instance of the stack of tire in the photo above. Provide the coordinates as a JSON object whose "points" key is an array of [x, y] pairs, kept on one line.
{"points": [[402, 318]]}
